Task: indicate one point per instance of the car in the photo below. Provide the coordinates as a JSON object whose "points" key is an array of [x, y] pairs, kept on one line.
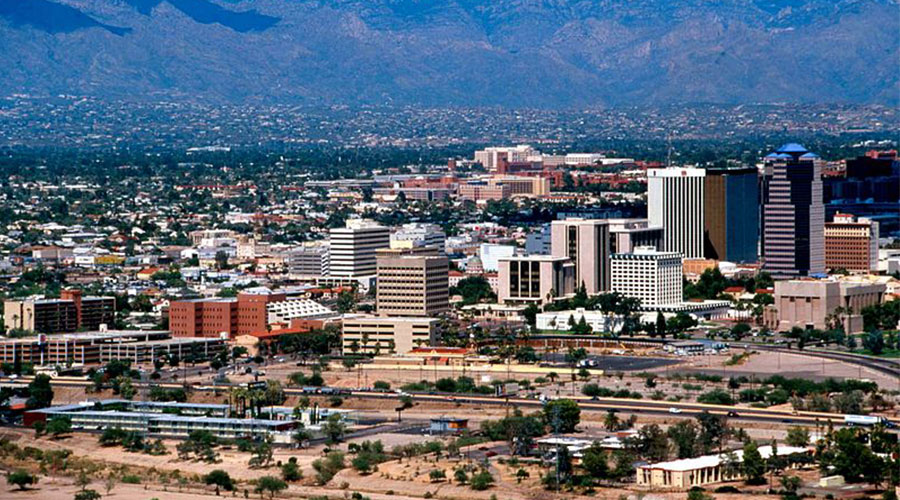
{"points": [[733, 413], [674, 410]]}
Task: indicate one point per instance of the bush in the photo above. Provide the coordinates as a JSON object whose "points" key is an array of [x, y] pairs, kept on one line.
{"points": [[381, 385], [131, 479]]}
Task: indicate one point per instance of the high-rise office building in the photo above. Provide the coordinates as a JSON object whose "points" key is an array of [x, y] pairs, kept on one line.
{"points": [[851, 244], [352, 248], [732, 214], [412, 285], [675, 201], [586, 243], [70, 312], [653, 277], [793, 214]]}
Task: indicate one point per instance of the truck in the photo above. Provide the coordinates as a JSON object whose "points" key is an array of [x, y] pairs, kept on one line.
{"points": [[864, 420], [509, 389]]}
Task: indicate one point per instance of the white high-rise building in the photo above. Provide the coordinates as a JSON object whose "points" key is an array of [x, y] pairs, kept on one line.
{"points": [[651, 276], [675, 201], [352, 248], [418, 234]]}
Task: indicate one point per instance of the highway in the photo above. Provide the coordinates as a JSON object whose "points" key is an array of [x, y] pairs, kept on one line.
{"points": [[635, 406]]}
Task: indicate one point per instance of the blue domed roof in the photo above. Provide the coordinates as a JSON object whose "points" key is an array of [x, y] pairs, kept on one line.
{"points": [[809, 156], [792, 147], [771, 156], [784, 156]]}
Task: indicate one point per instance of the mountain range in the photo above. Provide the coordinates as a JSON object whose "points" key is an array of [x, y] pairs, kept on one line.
{"points": [[517, 53]]}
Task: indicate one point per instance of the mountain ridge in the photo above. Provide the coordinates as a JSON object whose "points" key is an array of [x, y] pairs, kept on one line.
{"points": [[517, 53]]}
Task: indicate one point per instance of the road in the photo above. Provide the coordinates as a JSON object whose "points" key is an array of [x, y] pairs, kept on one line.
{"points": [[636, 406]]}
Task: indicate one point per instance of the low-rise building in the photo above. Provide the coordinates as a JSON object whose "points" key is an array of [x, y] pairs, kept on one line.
{"points": [[809, 303], [709, 469], [69, 313], [535, 279], [372, 334]]}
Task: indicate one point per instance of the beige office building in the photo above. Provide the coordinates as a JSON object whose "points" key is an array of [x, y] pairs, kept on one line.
{"points": [[536, 279], [412, 285], [586, 243], [372, 334], [810, 303]]}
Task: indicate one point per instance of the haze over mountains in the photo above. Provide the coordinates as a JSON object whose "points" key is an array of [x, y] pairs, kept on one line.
{"points": [[521, 53]]}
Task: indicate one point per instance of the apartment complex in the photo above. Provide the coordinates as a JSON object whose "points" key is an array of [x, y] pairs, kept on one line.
{"points": [[92, 348], [811, 303], [651, 276], [412, 285], [676, 202], [793, 214], [353, 248], [731, 214], [851, 244], [535, 279], [69, 313], [371, 334], [586, 243]]}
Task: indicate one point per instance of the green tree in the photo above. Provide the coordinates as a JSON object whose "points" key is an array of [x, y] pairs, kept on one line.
{"points": [[270, 484], [481, 480], [334, 428], [562, 415], [219, 478], [651, 443], [40, 393], [473, 289], [595, 462], [685, 436], [754, 467], [291, 471], [59, 425], [797, 436], [846, 453]]}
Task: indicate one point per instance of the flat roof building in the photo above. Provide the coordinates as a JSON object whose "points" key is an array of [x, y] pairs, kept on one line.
{"points": [[373, 334], [814, 303], [353, 248], [69, 313], [653, 277], [536, 279], [412, 285], [586, 243], [851, 244]]}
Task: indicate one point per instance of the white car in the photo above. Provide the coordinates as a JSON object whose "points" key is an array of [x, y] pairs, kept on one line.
{"points": [[674, 410]]}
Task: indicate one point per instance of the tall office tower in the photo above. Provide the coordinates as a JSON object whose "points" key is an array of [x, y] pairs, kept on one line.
{"points": [[586, 243], [675, 201], [653, 277], [793, 214], [851, 244], [352, 248], [732, 214], [418, 234], [411, 284]]}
